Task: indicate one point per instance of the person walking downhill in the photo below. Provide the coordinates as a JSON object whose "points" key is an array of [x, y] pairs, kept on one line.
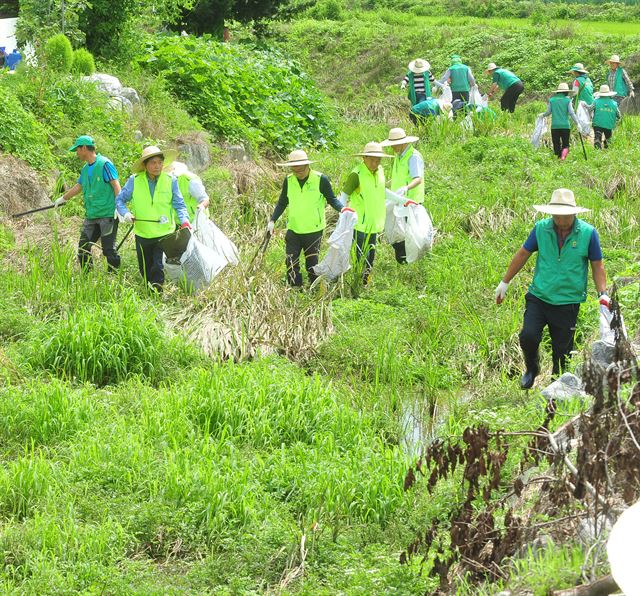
{"points": [[154, 196], [560, 109], [510, 84], [418, 81], [565, 246], [99, 185], [460, 78], [191, 188], [305, 192], [365, 187], [407, 175], [606, 113], [582, 87], [619, 80]]}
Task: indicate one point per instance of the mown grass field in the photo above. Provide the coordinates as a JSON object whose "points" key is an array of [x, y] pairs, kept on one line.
{"points": [[133, 463]]}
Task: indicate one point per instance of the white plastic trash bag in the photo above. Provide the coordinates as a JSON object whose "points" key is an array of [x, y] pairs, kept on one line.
{"points": [[394, 224], [418, 232], [447, 94], [584, 119], [606, 333], [622, 551], [539, 131], [211, 236], [467, 123], [476, 99], [338, 258], [199, 264]]}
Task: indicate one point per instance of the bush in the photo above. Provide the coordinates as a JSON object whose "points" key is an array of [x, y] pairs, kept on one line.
{"points": [[58, 53], [83, 62]]}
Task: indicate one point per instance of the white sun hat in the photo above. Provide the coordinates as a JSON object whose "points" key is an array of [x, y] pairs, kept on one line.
{"points": [[562, 88], [492, 66], [605, 91], [373, 149], [296, 158], [177, 168], [152, 151], [563, 202], [614, 58], [397, 136], [418, 66]]}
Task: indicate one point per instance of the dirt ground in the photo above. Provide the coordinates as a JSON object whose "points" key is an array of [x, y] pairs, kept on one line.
{"points": [[20, 186]]}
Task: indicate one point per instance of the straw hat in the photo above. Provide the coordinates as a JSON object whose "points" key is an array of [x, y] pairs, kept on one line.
{"points": [[614, 58], [578, 67], [418, 66], [397, 136], [153, 151], [562, 88], [492, 66], [372, 149], [605, 91], [562, 203], [177, 168], [296, 158]]}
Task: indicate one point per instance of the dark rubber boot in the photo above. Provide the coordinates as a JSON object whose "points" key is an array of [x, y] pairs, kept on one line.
{"points": [[533, 368]]}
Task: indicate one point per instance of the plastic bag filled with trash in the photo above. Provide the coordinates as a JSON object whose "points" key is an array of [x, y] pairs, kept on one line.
{"points": [[539, 131], [475, 99], [211, 236], [584, 119], [394, 223], [419, 232], [197, 266], [607, 334], [447, 94], [338, 258]]}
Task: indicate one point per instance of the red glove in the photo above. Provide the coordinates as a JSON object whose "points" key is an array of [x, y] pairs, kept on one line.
{"points": [[186, 224], [345, 209], [408, 203]]}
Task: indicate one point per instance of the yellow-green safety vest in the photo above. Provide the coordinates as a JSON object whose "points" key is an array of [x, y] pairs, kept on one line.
{"points": [[400, 175], [190, 201], [306, 204], [144, 206], [368, 200]]}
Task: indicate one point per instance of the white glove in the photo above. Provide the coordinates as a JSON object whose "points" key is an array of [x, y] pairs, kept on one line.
{"points": [[402, 191], [128, 217], [501, 291], [632, 94], [59, 201], [204, 204], [270, 226], [403, 85]]}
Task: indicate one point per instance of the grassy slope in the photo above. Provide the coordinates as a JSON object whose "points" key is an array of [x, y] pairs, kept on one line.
{"points": [[198, 476]]}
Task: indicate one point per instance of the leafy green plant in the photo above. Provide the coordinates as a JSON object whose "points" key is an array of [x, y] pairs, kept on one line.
{"points": [[58, 53], [83, 62]]}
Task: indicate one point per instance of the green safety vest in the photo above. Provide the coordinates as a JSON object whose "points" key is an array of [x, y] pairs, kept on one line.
{"points": [[428, 107], [459, 74], [144, 206], [412, 86], [190, 201], [504, 78], [99, 199], [605, 113], [585, 92], [620, 86], [400, 175], [368, 200], [560, 111], [306, 204], [560, 276]]}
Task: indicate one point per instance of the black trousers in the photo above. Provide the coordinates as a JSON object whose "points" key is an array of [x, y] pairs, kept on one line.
{"points": [[561, 322], [366, 248], [463, 95], [309, 244], [401, 251], [510, 97], [149, 253], [560, 138], [105, 229], [600, 134]]}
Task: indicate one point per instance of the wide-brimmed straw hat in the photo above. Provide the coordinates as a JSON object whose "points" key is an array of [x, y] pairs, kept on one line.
{"points": [[397, 136], [578, 67], [177, 168], [614, 58], [604, 91], [297, 157], [152, 151], [562, 88], [492, 66], [563, 202], [418, 66], [372, 149]]}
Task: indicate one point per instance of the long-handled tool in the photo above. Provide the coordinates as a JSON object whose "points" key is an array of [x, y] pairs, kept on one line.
{"points": [[584, 151], [262, 248], [34, 211], [162, 220]]}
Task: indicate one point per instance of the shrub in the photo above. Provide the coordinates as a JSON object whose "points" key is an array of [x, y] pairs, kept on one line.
{"points": [[59, 53], [83, 62]]}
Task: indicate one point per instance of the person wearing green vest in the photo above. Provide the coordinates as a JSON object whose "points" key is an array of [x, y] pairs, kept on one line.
{"points": [[99, 185], [619, 80], [582, 85], [606, 113], [510, 84], [365, 187], [407, 174], [429, 108], [565, 245], [460, 78], [305, 192], [155, 201], [560, 109], [418, 81], [191, 188]]}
